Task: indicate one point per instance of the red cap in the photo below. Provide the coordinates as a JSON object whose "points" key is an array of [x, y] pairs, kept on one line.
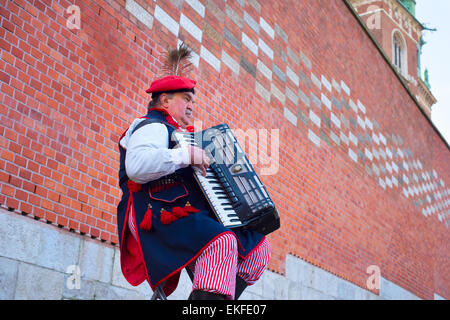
{"points": [[171, 83]]}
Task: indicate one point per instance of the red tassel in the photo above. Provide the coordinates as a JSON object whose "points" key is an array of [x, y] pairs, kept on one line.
{"points": [[146, 223], [167, 217], [190, 209], [179, 212]]}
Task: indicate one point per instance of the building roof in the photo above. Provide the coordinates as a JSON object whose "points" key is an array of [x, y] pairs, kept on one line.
{"points": [[411, 14]]}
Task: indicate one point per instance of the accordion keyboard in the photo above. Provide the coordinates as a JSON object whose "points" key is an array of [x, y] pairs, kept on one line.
{"points": [[211, 187], [218, 199]]}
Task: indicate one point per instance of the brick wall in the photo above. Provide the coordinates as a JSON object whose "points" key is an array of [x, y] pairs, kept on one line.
{"points": [[363, 176]]}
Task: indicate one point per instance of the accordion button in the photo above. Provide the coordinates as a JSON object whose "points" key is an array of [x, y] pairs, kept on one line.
{"points": [[237, 168]]}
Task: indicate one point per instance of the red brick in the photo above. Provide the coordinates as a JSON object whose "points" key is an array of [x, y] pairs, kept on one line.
{"points": [[21, 195], [4, 77], [12, 203]]}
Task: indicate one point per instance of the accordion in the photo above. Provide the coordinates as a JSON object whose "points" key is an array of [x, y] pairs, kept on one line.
{"points": [[231, 186]]}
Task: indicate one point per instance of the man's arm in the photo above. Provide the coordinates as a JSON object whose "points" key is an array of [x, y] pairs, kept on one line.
{"points": [[149, 157]]}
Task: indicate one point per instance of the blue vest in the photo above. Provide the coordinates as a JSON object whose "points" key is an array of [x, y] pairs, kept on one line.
{"points": [[169, 246]]}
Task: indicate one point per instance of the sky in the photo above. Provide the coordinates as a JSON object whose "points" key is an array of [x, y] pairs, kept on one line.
{"points": [[436, 58]]}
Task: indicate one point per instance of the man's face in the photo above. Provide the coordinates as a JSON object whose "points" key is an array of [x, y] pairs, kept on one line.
{"points": [[180, 106]]}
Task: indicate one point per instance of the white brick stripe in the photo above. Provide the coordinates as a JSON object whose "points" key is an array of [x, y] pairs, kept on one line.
{"points": [[290, 116], [361, 107], [252, 46], [291, 75], [230, 62], [345, 88], [335, 120], [140, 13], [353, 106], [264, 69], [206, 55], [190, 27], [291, 96], [266, 27], [314, 118], [197, 6], [361, 123], [352, 155], [277, 93], [314, 138], [352, 138], [263, 92], [326, 101], [326, 83], [166, 20], [265, 48]]}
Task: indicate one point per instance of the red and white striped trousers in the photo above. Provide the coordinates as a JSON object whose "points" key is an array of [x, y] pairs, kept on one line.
{"points": [[217, 266]]}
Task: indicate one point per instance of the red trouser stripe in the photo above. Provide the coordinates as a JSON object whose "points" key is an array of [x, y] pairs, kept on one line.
{"points": [[252, 268], [217, 266], [131, 224]]}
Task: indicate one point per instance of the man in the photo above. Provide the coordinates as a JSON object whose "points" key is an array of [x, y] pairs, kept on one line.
{"points": [[164, 222]]}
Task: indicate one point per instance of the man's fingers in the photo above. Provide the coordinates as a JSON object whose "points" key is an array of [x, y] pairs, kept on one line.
{"points": [[198, 156], [207, 161]]}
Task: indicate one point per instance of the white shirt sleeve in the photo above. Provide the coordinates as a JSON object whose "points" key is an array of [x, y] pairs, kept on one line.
{"points": [[148, 155]]}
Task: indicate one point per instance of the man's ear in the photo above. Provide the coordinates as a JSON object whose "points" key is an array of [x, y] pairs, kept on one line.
{"points": [[164, 99]]}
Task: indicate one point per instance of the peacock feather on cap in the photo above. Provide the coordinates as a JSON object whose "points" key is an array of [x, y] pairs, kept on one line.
{"points": [[178, 61]]}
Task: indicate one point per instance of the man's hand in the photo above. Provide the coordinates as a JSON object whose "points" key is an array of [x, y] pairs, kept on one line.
{"points": [[198, 158]]}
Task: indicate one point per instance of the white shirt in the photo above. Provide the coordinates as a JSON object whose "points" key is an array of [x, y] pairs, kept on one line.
{"points": [[148, 155]]}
